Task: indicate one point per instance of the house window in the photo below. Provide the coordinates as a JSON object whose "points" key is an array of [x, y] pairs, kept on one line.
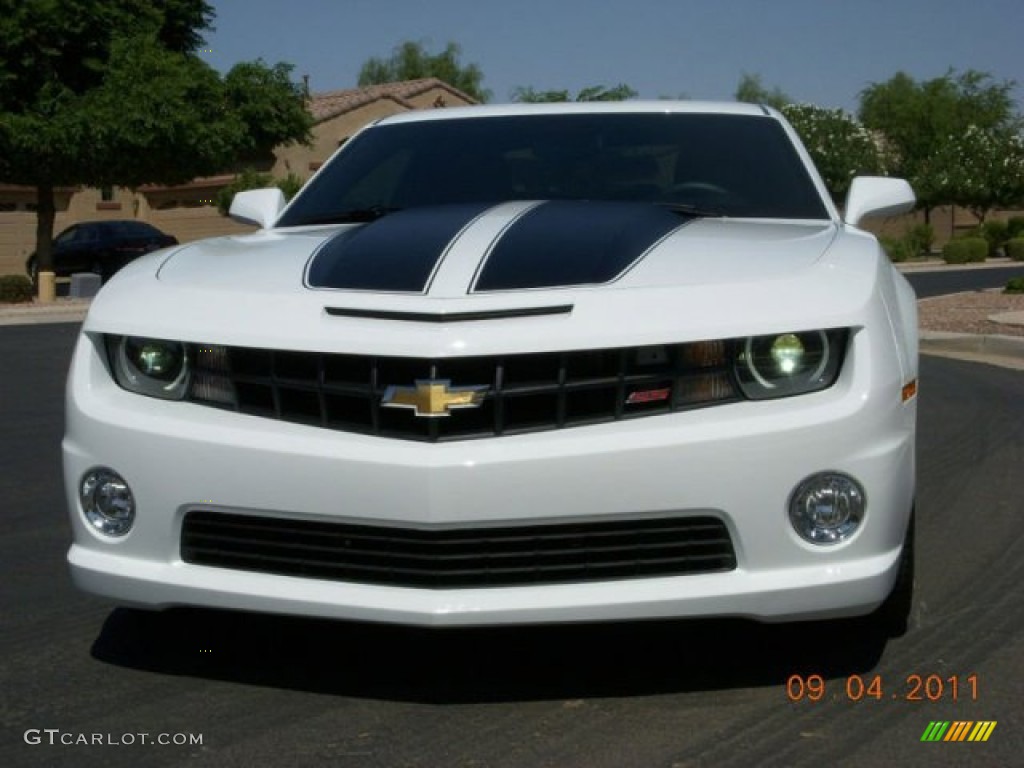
{"points": [[107, 202]]}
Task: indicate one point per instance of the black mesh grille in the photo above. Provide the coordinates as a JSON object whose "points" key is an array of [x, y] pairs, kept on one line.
{"points": [[519, 393], [461, 557]]}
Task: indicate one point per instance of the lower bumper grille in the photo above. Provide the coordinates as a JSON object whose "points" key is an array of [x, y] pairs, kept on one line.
{"points": [[459, 557]]}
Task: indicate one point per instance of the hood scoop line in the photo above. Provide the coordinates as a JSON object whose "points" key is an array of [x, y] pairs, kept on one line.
{"points": [[449, 317]]}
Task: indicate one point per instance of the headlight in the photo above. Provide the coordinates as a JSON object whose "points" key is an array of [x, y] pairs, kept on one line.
{"points": [[151, 367], [787, 364]]}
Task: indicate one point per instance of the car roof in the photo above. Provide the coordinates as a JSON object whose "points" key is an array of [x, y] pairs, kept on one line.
{"points": [[117, 224], [589, 108]]}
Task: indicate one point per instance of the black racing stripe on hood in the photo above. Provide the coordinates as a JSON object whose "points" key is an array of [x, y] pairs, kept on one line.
{"points": [[574, 242], [396, 253]]}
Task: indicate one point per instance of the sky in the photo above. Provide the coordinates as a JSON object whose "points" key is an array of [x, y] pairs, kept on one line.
{"points": [[824, 52]]}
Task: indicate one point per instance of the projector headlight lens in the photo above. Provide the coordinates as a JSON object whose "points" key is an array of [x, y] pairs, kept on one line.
{"points": [[153, 367], [786, 364]]}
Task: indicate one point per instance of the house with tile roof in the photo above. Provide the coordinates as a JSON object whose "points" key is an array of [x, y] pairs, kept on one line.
{"points": [[189, 211]]}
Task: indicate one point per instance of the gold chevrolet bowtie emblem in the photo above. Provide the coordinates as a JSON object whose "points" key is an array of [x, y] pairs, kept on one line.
{"points": [[433, 397]]}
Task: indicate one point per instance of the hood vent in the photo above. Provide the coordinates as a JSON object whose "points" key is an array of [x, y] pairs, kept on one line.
{"points": [[449, 317]]}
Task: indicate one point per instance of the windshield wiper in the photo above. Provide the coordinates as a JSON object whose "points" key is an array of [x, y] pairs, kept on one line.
{"points": [[688, 209], [351, 216]]}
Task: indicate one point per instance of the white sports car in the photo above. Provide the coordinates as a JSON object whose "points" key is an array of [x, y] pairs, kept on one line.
{"points": [[504, 365]]}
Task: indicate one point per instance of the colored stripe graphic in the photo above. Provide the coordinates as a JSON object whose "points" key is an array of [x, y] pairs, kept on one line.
{"points": [[982, 731], [959, 730], [934, 731]]}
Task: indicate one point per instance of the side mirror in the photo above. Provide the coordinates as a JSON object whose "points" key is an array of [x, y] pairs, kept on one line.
{"points": [[257, 206], [877, 196]]}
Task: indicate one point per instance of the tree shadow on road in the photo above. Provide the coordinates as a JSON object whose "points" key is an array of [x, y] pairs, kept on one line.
{"points": [[449, 666]]}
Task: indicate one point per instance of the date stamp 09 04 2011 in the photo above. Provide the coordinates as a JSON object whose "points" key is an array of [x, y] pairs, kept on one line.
{"points": [[913, 687]]}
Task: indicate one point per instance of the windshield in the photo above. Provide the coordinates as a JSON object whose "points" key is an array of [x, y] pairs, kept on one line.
{"points": [[698, 164]]}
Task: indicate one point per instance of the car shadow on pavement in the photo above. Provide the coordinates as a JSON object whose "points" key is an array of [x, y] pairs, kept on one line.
{"points": [[482, 664]]}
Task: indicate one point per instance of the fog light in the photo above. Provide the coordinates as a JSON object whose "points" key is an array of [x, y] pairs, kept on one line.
{"points": [[107, 501], [827, 508]]}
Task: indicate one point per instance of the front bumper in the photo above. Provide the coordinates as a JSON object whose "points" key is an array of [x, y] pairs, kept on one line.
{"points": [[737, 462]]}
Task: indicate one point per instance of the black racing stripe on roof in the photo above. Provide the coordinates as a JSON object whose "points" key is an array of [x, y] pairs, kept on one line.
{"points": [[396, 253], [574, 242]]}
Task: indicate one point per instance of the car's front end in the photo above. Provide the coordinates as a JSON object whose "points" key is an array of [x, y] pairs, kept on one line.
{"points": [[717, 420]]}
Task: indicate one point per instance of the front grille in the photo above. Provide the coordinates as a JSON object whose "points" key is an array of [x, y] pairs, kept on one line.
{"points": [[459, 557], [521, 393]]}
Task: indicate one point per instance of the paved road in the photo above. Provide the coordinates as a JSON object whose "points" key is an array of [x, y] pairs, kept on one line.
{"points": [[942, 282], [280, 691]]}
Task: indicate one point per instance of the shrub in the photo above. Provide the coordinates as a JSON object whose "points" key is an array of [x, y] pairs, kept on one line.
{"points": [[1014, 285], [996, 234], [920, 237], [15, 289], [965, 249], [1015, 248], [1014, 227], [898, 249]]}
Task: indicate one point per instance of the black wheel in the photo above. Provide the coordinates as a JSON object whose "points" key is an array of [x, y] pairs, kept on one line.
{"points": [[97, 268], [893, 616]]}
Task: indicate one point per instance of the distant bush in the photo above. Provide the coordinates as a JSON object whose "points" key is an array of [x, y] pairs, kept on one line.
{"points": [[996, 233], [1014, 285], [915, 241], [898, 248], [921, 237], [1014, 227], [15, 289], [1015, 248], [965, 249]]}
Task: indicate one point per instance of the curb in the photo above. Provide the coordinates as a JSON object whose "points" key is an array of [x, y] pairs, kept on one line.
{"points": [[938, 265], [60, 311], [1004, 351]]}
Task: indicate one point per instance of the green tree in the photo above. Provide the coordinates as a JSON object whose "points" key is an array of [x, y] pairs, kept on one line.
{"points": [[111, 92], [981, 170], [411, 61], [529, 95], [751, 90], [839, 145], [919, 120]]}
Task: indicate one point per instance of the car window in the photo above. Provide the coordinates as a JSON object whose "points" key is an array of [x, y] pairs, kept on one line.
{"points": [[87, 234], [735, 165], [125, 229], [67, 236]]}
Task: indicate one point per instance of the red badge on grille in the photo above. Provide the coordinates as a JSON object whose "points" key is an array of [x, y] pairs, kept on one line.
{"points": [[648, 396]]}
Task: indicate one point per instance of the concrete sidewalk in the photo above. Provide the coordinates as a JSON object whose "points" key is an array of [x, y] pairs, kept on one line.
{"points": [[59, 311]]}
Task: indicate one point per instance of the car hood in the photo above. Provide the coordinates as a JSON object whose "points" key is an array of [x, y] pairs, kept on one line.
{"points": [[463, 250], [432, 282]]}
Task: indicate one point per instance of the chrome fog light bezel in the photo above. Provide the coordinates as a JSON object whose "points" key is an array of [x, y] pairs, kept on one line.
{"points": [[827, 508], [107, 501]]}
